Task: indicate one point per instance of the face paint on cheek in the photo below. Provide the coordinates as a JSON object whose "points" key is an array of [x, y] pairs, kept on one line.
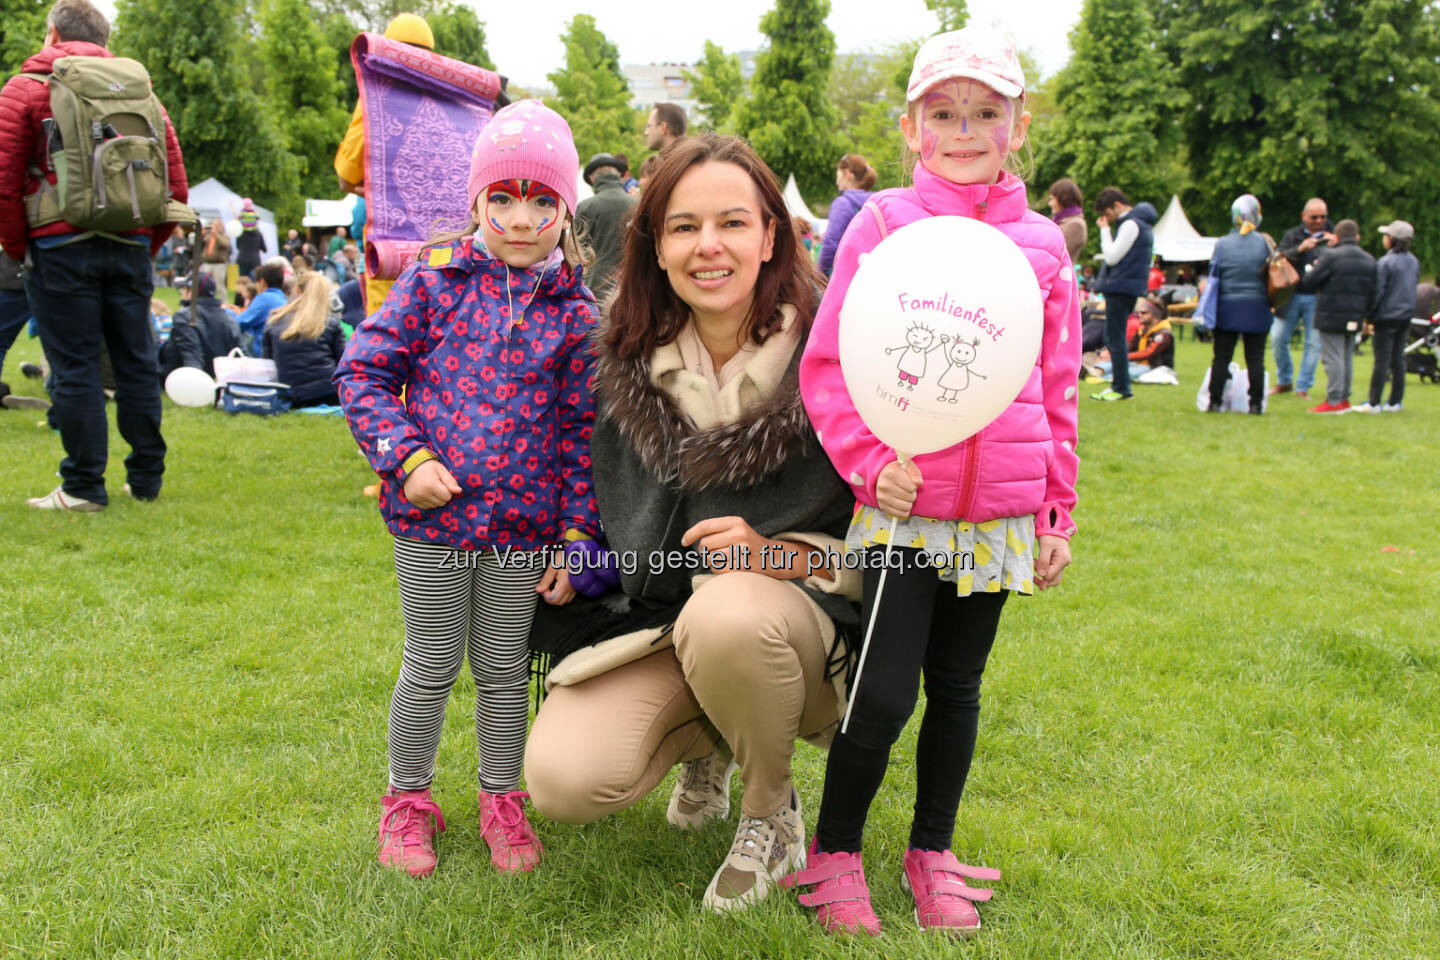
{"points": [[928, 142], [1001, 138]]}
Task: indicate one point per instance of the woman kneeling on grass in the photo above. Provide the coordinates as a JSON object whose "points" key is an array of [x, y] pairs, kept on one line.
{"points": [[701, 444]]}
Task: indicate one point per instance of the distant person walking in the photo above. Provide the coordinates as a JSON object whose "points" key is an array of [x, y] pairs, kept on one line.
{"points": [[1343, 280], [1123, 279], [854, 178], [1300, 245], [1397, 281], [1244, 310]]}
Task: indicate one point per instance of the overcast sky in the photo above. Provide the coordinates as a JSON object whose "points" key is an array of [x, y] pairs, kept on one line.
{"points": [[524, 41]]}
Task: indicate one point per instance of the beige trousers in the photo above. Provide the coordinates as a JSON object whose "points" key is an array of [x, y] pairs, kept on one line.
{"points": [[748, 665]]}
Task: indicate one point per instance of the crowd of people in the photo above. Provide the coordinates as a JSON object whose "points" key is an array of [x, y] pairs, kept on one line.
{"points": [[562, 390]]}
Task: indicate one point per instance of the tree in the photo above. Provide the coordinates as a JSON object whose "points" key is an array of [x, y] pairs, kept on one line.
{"points": [[459, 34], [306, 103], [592, 94], [340, 32], [1118, 98], [717, 87], [952, 14], [788, 118], [868, 105], [224, 130], [23, 23], [1306, 98]]}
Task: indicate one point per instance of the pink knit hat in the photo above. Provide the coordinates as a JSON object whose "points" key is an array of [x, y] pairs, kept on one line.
{"points": [[526, 141]]}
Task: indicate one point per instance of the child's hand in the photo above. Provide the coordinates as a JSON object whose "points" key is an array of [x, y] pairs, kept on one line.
{"points": [[1054, 558], [430, 485], [554, 588], [897, 488]]}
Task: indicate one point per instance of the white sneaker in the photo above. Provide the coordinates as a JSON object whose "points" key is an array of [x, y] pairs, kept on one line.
{"points": [[1391, 407], [58, 499], [702, 791], [1365, 408], [764, 850]]}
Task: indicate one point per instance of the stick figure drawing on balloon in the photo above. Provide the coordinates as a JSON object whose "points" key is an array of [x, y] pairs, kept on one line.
{"points": [[919, 340], [960, 354]]}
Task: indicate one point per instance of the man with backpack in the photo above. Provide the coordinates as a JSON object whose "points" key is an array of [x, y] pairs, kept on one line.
{"points": [[89, 170]]}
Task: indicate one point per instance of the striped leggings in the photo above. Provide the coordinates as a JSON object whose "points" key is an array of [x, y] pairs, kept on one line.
{"points": [[458, 603]]}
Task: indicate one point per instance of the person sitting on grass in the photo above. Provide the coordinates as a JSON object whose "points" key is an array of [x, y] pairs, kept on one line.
{"points": [[305, 340], [270, 282], [200, 332], [1153, 344]]}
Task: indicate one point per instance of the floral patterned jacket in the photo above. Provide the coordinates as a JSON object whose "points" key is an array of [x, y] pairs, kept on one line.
{"points": [[506, 405]]}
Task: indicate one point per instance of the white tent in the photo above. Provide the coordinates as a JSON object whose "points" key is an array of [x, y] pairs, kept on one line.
{"points": [[1176, 240], [799, 208], [212, 199]]}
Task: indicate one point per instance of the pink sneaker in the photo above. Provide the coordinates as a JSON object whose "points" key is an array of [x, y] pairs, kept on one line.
{"points": [[513, 844], [841, 897], [942, 900], [408, 823]]}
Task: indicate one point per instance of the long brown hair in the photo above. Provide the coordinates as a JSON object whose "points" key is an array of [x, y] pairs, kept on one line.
{"points": [[645, 311], [859, 169]]}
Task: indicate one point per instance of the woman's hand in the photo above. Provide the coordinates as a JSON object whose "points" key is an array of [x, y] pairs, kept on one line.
{"points": [[430, 485], [1051, 563], [897, 488], [741, 545], [554, 587]]}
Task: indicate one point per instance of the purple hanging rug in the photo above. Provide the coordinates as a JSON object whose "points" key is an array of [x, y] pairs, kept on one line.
{"points": [[423, 113]]}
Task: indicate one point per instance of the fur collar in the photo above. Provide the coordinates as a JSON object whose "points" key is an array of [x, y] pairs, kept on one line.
{"points": [[737, 454]]}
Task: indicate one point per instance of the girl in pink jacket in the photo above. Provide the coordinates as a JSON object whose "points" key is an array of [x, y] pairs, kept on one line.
{"points": [[996, 505]]}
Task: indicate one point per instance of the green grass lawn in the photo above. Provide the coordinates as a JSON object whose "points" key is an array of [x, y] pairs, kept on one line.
{"points": [[1218, 737]]}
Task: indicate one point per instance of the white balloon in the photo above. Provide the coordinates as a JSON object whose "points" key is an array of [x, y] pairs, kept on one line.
{"points": [[190, 387], [233, 229], [939, 331]]}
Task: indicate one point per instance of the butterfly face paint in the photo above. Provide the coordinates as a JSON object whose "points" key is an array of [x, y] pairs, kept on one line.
{"points": [[520, 221], [963, 131]]}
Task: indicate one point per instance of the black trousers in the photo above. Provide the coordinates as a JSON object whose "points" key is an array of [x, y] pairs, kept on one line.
{"points": [[922, 625], [1389, 361], [1254, 359], [92, 297], [1118, 307]]}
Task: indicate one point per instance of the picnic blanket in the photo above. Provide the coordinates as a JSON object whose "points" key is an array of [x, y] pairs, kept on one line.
{"points": [[423, 113]]}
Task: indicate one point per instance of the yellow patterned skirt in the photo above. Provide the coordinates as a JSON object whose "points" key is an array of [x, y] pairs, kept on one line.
{"points": [[977, 557]]}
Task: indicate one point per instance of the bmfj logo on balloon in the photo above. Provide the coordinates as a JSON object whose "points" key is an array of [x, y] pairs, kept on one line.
{"points": [[939, 332]]}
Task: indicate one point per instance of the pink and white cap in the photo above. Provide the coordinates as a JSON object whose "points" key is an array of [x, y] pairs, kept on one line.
{"points": [[974, 53], [526, 141]]}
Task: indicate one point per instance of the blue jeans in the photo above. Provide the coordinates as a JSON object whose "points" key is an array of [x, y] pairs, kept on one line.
{"points": [[1137, 370], [14, 314], [1302, 307], [91, 295]]}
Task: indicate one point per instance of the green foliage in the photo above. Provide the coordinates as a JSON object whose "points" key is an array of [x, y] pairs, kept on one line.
{"points": [[340, 32], [22, 32], [592, 94], [868, 107], [952, 14], [1306, 98], [191, 51], [306, 103], [459, 34], [716, 84], [788, 118], [1117, 98]]}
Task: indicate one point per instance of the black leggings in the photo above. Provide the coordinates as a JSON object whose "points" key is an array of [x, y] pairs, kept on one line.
{"points": [[922, 624]]}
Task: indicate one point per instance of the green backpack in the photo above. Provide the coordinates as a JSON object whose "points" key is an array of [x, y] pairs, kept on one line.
{"points": [[107, 148]]}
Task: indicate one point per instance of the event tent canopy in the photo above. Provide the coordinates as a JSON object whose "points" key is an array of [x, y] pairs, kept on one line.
{"points": [[212, 199], [1176, 240], [799, 208]]}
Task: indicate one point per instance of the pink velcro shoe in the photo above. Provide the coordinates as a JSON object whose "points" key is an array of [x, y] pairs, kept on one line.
{"points": [[943, 902], [514, 847], [409, 820], [841, 896]]}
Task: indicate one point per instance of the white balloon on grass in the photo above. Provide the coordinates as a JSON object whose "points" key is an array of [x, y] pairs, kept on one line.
{"points": [[939, 331], [190, 387]]}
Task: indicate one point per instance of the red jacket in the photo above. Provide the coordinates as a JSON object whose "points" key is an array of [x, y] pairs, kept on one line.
{"points": [[24, 105]]}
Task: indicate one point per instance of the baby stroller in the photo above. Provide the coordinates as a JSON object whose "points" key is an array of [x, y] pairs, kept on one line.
{"points": [[1422, 353]]}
